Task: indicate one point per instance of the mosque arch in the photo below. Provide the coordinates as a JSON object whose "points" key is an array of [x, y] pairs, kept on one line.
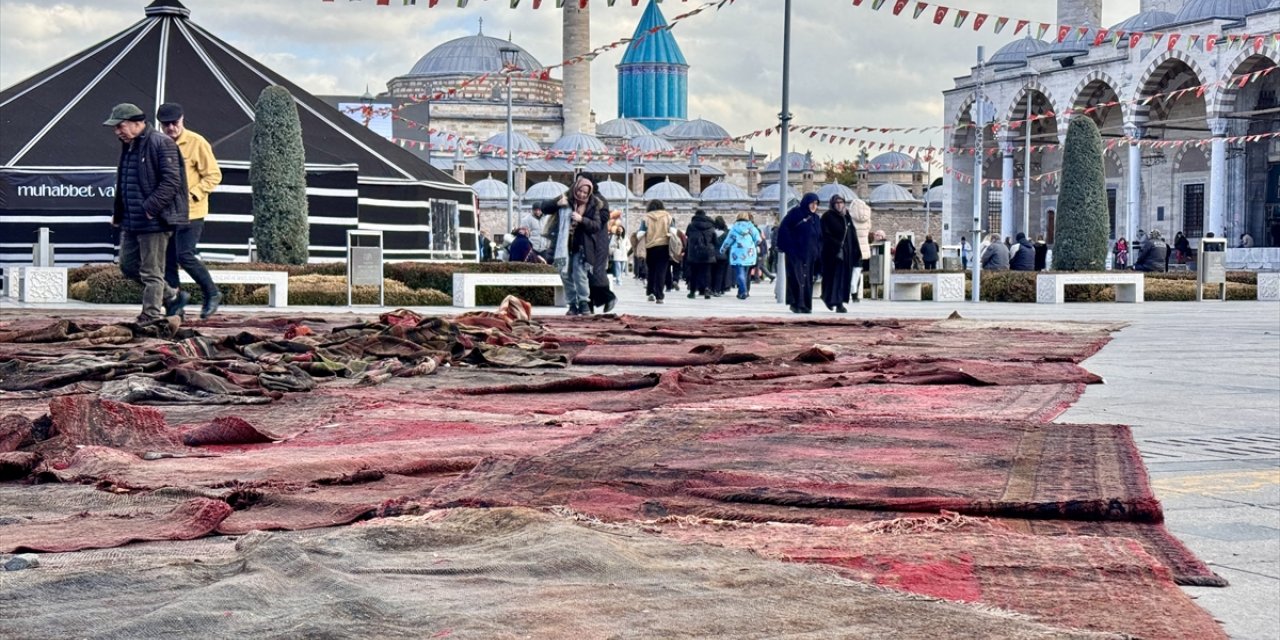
{"points": [[1167, 72], [1223, 100], [1190, 158], [1098, 87], [1016, 110], [962, 126]]}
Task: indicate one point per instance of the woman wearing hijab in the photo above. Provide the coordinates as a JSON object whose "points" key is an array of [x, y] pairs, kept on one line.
{"points": [[840, 252], [584, 214], [800, 238]]}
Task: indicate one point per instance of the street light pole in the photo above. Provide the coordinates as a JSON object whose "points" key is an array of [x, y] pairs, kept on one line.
{"points": [[626, 182], [780, 289], [980, 118], [508, 65]]}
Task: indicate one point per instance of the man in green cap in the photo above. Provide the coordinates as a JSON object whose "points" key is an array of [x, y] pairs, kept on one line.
{"points": [[150, 202]]}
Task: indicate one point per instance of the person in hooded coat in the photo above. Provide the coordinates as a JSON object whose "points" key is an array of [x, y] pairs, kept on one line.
{"points": [[904, 254], [840, 253], [585, 247], [800, 239], [1023, 257], [700, 253], [743, 246], [720, 278]]}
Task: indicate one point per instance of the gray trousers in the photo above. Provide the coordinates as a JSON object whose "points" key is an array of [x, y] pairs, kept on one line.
{"points": [[142, 260]]}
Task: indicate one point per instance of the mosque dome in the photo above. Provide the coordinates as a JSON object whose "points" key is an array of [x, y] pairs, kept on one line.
{"points": [[545, 191], [893, 162], [612, 190], [490, 189], [1195, 10], [835, 189], [579, 142], [1275, 4], [622, 128], [725, 192], [693, 130], [933, 197], [470, 56], [667, 191], [520, 143], [650, 143], [796, 162], [891, 194], [1145, 21], [769, 195], [1015, 53]]}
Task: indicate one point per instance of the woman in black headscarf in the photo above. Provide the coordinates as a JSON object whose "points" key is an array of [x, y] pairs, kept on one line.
{"points": [[840, 252], [800, 238], [904, 254]]}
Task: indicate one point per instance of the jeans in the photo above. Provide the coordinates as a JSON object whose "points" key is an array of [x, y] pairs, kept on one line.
{"points": [[580, 273], [182, 253], [142, 260], [619, 268], [740, 272]]}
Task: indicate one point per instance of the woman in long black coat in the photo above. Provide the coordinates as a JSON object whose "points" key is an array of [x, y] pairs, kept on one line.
{"points": [[841, 251], [904, 254], [700, 253], [800, 238]]}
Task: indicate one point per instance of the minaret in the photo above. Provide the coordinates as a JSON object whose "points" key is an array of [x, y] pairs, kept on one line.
{"points": [[753, 175], [576, 41], [459, 165], [695, 175], [1080, 13], [806, 176]]}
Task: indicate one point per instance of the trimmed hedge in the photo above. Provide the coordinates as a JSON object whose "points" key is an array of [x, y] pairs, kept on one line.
{"points": [[1082, 221], [407, 284]]}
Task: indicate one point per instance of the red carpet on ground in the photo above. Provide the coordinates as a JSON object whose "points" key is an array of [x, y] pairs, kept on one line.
{"points": [[703, 429]]}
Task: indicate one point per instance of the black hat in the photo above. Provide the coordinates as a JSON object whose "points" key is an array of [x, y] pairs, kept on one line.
{"points": [[169, 112]]}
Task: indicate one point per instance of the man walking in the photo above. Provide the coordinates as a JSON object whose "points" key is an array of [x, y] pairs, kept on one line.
{"points": [[203, 176], [150, 202]]}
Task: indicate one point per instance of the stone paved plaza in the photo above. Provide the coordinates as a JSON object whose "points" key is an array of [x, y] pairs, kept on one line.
{"points": [[1198, 382]]}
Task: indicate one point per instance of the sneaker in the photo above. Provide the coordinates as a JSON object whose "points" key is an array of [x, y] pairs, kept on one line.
{"points": [[652, 297], [706, 296], [176, 305], [742, 296], [210, 306], [841, 309]]}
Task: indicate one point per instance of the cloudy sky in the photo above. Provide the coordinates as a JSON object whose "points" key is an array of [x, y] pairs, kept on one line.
{"points": [[851, 66]]}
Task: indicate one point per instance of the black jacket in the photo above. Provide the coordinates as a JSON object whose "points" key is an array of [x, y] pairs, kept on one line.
{"points": [[162, 180], [700, 240], [1025, 258], [929, 251]]}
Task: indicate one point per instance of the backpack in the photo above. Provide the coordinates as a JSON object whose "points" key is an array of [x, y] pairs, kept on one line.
{"points": [[674, 245]]}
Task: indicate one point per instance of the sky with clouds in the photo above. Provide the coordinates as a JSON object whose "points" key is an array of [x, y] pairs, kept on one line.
{"points": [[850, 66]]}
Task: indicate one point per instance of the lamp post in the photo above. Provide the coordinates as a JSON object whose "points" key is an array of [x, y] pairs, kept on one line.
{"points": [[980, 111], [508, 65], [780, 286]]}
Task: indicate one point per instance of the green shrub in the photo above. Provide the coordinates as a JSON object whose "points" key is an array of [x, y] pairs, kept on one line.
{"points": [[318, 290], [109, 286], [278, 176], [1008, 286], [80, 274], [1081, 242]]}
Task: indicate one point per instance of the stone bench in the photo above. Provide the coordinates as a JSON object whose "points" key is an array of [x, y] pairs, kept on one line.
{"points": [[1050, 287], [464, 285], [1269, 286], [947, 287], [36, 284], [277, 282]]}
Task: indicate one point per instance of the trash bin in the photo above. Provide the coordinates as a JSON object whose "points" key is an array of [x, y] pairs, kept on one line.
{"points": [[951, 258]]}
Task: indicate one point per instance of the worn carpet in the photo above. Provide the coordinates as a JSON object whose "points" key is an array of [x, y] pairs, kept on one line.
{"points": [[800, 441]]}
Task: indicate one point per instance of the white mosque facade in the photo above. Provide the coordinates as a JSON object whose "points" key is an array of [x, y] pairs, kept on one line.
{"points": [[1175, 161]]}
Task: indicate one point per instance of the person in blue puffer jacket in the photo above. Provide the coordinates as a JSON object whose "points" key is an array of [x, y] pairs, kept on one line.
{"points": [[742, 243]]}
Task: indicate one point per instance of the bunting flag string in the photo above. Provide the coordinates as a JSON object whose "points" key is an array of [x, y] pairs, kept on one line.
{"points": [[1062, 31], [544, 73], [515, 4]]}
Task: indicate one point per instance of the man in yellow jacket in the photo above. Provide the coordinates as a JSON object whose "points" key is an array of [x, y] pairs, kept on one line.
{"points": [[203, 175]]}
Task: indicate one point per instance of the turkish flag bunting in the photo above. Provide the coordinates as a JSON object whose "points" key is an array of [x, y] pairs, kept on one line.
{"points": [[940, 15]]}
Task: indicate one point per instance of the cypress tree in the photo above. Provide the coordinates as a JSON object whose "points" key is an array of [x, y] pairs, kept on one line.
{"points": [[1081, 235], [277, 175]]}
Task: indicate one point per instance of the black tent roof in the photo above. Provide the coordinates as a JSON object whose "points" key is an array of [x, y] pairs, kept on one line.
{"points": [[54, 119]]}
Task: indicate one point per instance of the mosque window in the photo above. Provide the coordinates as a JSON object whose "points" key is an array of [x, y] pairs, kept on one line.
{"points": [[1111, 209], [993, 212], [1193, 210]]}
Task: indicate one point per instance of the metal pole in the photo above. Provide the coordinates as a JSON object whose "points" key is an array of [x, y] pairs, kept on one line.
{"points": [[1026, 174], [428, 125], [510, 187], [780, 289], [980, 120]]}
